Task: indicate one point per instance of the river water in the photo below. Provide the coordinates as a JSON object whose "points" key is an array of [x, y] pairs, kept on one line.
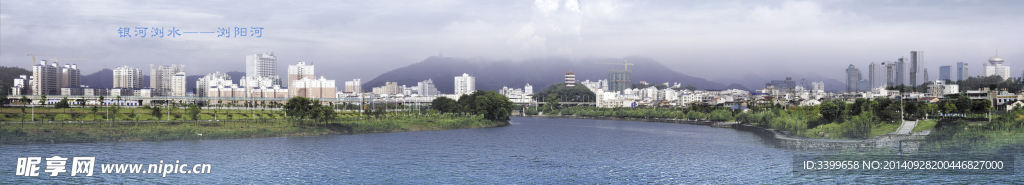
{"points": [[530, 151]]}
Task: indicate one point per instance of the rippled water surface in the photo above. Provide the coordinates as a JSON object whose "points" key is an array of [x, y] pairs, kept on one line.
{"points": [[531, 150]]}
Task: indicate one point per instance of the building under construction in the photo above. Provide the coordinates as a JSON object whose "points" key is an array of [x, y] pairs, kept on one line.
{"points": [[619, 80]]}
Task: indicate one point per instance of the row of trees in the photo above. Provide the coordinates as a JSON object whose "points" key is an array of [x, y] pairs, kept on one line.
{"points": [[490, 104], [886, 109]]}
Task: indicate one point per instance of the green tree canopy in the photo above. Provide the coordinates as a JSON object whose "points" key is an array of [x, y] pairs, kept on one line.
{"points": [[444, 105], [63, 103], [576, 93]]}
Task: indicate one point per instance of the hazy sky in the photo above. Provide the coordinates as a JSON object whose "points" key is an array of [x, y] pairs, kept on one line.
{"points": [[361, 39]]}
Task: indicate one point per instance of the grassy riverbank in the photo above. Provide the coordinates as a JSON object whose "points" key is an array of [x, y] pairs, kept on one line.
{"points": [[37, 133]]}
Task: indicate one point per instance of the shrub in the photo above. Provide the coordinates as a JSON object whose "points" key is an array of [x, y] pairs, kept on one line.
{"points": [[721, 115], [859, 127]]}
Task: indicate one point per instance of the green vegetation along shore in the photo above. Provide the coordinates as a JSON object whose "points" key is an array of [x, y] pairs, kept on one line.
{"points": [[58, 132], [863, 119], [304, 117]]}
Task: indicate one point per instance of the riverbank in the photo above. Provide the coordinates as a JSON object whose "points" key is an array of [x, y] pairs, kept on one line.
{"points": [[53, 132], [904, 143]]}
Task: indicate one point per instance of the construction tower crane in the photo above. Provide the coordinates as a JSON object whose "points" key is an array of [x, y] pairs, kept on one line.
{"points": [[625, 65], [33, 54], [63, 59]]}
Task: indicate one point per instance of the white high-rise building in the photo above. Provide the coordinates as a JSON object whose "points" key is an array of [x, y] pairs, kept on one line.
{"points": [[426, 88], [178, 84], [45, 78], [354, 86], [528, 89], [262, 65], [818, 87], [298, 72], [465, 84], [213, 79], [876, 74], [21, 85], [160, 78], [997, 68], [70, 76], [127, 77]]}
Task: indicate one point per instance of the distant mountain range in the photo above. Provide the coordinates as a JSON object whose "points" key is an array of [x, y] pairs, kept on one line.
{"points": [[538, 72]]}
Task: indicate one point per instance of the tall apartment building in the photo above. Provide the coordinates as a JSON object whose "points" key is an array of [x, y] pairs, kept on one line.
{"points": [[570, 79], [916, 62], [178, 84], [465, 84], [528, 89], [46, 78], [426, 88], [852, 78], [299, 71], [70, 76], [354, 86], [160, 78], [204, 84], [389, 88], [262, 65], [127, 77], [945, 72]]}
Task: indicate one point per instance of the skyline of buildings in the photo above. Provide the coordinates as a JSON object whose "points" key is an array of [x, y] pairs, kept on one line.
{"points": [[894, 72], [130, 79]]}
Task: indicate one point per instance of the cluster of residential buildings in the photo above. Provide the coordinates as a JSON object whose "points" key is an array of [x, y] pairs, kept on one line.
{"points": [[261, 81], [464, 84]]}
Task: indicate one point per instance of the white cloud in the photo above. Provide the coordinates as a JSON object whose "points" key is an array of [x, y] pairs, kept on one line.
{"points": [[545, 6], [550, 28]]}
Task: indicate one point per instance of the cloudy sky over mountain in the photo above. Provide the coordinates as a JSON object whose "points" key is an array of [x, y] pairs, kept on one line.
{"points": [[361, 39]]}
